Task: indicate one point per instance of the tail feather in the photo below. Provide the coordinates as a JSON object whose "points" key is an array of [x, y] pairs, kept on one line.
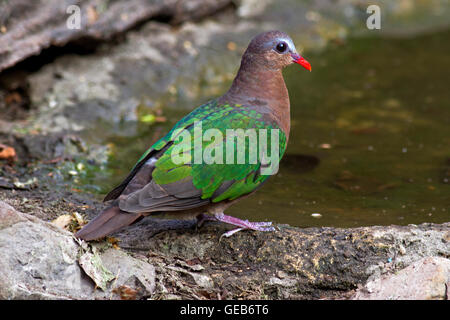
{"points": [[110, 220]]}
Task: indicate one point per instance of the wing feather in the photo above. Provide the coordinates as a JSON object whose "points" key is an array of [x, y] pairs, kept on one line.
{"points": [[174, 187]]}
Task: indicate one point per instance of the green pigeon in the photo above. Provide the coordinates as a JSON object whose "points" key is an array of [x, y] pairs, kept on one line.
{"points": [[216, 155]]}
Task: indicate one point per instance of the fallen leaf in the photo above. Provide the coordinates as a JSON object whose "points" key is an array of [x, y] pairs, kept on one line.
{"points": [[114, 242], [13, 97], [126, 293], [92, 265], [193, 261], [30, 183], [206, 294], [63, 221], [148, 118], [231, 46], [79, 219], [7, 153]]}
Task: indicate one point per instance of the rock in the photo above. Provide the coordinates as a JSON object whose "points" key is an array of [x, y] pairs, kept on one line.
{"points": [[201, 280], [38, 260], [154, 66], [162, 259], [426, 279], [24, 37], [151, 68], [130, 272], [292, 263]]}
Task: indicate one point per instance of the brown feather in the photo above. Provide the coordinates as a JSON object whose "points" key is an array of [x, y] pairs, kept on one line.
{"points": [[110, 220], [259, 83]]}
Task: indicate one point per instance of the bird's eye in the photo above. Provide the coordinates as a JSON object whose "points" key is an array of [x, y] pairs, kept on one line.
{"points": [[281, 47]]}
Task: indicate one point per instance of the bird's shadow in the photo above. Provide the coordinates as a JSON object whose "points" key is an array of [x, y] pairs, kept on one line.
{"points": [[299, 162], [139, 235]]}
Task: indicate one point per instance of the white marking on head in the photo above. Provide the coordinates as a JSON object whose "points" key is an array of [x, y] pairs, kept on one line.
{"points": [[289, 42]]}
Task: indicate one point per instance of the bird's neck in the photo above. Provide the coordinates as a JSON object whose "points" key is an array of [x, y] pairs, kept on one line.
{"points": [[258, 87]]}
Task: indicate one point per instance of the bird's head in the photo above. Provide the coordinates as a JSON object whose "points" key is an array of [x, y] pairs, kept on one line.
{"points": [[274, 50]]}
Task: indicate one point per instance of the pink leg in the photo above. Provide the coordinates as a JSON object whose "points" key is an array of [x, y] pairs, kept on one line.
{"points": [[243, 224]]}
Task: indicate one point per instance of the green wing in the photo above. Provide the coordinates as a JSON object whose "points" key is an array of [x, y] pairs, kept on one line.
{"points": [[191, 183], [158, 147]]}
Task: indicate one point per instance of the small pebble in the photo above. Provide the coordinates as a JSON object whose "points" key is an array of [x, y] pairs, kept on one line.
{"points": [[325, 146]]}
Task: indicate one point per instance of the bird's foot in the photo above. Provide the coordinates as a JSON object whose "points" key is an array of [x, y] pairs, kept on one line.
{"points": [[243, 224]]}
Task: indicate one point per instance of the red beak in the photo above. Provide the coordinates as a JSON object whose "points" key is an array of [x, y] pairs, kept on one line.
{"points": [[301, 61]]}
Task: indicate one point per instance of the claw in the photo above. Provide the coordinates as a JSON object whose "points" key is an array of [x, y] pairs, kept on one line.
{"points": [[262, 224], [230, 233]]}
